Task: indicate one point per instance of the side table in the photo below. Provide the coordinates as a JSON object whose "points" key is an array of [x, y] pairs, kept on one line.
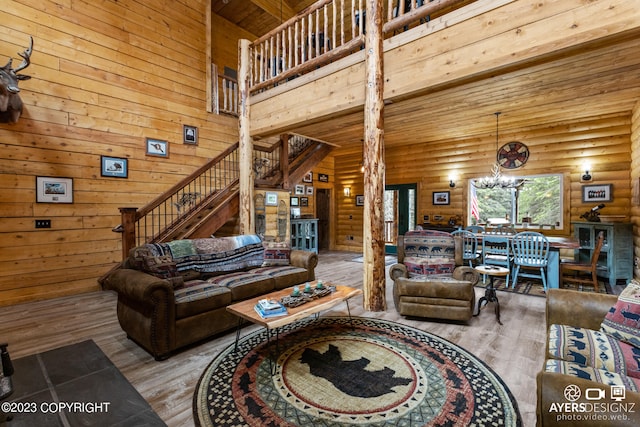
{"points": [[490, 292]]}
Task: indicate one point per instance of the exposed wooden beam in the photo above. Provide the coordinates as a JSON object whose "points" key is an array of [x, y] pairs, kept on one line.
{"points": [[279, 9]]}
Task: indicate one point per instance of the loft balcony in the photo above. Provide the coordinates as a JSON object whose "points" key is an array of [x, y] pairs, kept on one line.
{"points": [[448, 65]]}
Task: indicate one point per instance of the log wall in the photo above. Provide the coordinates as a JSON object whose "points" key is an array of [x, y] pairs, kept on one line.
{"points": [[635, 186], [605, 142], [105, 76]]}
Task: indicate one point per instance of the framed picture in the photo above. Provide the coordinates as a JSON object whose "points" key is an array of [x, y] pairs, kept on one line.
{"points": [[299, 190], [441, 197], [309, 189], [190, 134], [304, 201], [54, 190], [597, 193], [323, 177], [308, 177], [359, 199], [271, 199], [157, 147], [426, 219], [116, 167], [295, 201]]}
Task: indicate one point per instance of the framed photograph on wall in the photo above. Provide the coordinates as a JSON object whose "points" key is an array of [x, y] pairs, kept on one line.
{"points": [[304, 202], [271, 199], [359, 199], [190, 134], [597, 193], [323, 177], [309, 190], [54, 190], [294, 201], [115, 167], [299, 190], [157, 147], [441, 197], [308, 177]]}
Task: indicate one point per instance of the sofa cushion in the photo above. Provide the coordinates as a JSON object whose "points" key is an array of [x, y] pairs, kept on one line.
{"points": [[623, 319], [199, 296], [587, 372], [593, 348], [276, 253], [244, 284], [285, 276]]}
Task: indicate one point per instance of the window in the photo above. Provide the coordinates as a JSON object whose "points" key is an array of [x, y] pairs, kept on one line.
{"points": [[536, 204]]}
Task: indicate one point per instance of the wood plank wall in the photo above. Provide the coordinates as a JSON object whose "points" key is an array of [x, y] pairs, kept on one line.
{"points": [[105, 75], [635, 186], [604, 141]]}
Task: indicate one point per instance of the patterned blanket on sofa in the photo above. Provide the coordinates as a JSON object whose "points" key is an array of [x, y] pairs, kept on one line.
{"points": [[212, 255]]}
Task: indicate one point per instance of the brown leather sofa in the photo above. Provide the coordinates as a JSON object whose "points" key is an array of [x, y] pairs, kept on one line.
{"points": [[594, 408], [430, 279], [174, 294]]}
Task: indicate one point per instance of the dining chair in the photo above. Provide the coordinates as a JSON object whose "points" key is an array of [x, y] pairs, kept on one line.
{"points": [[530, 253], [573, 271], [503, 229], [469, 246], [475, 228], [496, 250]]}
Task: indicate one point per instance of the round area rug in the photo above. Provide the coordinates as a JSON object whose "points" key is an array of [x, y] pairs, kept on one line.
{"points": [[341, 372]]}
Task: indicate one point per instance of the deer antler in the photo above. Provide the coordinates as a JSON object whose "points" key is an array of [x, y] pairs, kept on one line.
{"points": [[26, 57]]}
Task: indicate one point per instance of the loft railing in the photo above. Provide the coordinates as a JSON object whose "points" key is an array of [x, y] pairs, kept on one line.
{"points": [[225, 93], [326, 31]]}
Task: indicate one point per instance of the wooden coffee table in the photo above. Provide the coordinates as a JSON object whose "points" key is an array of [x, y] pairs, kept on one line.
{"points": [[245, 309]]}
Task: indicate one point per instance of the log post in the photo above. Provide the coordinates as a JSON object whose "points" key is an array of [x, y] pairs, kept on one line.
{"points": [[245, 142], [284, 160], [374, 167]]}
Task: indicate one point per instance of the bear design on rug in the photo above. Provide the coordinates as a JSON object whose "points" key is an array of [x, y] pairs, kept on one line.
{"points": [[350, 376]]}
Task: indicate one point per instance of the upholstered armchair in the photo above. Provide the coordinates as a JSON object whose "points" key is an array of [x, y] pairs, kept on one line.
{"points": [[430, 279]]}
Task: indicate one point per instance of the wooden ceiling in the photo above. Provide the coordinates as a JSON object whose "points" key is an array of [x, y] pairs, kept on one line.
{"points": [[597, 80]]}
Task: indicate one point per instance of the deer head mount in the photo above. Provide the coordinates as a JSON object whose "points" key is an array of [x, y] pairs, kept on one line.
{"points": [[10, 102]]}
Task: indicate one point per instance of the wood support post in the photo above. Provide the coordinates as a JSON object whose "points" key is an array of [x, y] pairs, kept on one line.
{"points": [[374, 167], [284, 160], [246, 214]]}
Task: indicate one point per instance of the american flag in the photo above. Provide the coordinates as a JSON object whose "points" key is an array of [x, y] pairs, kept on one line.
{"points": [[475, 211]]}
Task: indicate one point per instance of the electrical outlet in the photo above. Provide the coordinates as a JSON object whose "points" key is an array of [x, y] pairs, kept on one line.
{"points": [[43, 223]]}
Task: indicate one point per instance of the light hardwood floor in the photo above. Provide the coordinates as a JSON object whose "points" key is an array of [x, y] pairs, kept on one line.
{"points": [[514, 350]]}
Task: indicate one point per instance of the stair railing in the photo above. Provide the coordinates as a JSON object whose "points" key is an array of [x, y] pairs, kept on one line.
{"points": [[140, 226]]}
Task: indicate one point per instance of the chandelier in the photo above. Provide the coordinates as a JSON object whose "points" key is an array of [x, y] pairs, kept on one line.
{"points": [[496, 179]]}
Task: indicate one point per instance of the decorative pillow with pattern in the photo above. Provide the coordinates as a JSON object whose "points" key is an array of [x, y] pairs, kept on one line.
{"points": [[276, 253], [623, 319], [162, 267]]}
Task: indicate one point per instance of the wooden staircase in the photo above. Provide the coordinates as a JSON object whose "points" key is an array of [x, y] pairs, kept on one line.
{"points": [[204, 201]]}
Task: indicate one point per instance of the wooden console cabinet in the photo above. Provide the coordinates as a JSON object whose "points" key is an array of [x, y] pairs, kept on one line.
{"points": [[616, 258]]}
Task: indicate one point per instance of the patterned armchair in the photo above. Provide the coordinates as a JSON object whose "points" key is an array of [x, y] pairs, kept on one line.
{"points": [[430, 279]]}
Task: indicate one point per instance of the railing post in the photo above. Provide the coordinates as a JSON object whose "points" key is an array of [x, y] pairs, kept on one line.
{"points": [[128, 218]]}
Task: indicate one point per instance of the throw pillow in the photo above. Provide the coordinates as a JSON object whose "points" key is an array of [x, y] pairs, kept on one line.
{"points": [[276, 253], [623, 319], [163, 267]]}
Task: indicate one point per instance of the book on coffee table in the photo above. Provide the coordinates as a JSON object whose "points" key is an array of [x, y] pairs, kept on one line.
{"points": [[273, 312]]}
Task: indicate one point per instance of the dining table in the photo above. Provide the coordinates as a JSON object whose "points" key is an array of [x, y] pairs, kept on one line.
{"points": [[556, 243]]}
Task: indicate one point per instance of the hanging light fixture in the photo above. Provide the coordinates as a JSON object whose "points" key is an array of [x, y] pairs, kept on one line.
{"points": [[496, 179]]}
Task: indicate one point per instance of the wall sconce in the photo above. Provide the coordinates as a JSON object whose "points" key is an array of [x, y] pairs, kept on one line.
{"points": [[587, 175], [347, 191], [452, 181]]}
